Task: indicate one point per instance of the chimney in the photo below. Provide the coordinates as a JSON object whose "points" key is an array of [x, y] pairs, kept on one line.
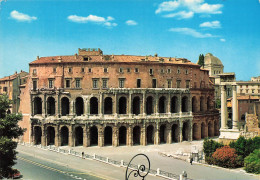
{"points": [[38, 57]]}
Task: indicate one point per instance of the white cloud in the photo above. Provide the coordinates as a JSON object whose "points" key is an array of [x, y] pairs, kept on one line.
{"points": [[212, 24], [93, 18], [180, 15], [191, 32], [21, 16], [131, 23], [223, 40], [195, 6]]}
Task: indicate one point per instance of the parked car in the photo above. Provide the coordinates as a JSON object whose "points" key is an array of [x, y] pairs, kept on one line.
{"points": [[16, 174]]}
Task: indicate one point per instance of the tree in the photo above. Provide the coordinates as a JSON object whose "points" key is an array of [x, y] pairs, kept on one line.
{"points": [[9, 130], [201, 60]]}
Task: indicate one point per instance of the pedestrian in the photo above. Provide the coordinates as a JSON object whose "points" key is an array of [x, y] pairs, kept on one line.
{"points": [[82, 155], [191, 159]]}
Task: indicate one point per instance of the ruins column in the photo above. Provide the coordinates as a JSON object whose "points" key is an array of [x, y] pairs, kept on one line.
{"points": [[115, 136], [157, 134], [129, 136], [144, 100], [101, 105], [169, 134], [169, 104], [180, 130], [43, 138], [71, 143], [130, 104], [100, 136], [156, 104], [115, 106], [180, 101], [234, 108], [223, 107], [71, 108], [143, 135], [56, 140], [85, 136]]}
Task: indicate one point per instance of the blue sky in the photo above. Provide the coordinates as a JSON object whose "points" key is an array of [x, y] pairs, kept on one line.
{"points": [[229, 29]]}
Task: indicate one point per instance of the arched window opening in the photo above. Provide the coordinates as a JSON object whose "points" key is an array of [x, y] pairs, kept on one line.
{"points": [[201, 103], [51, 106], [208, 103], [194, 104], [93, 136], [136, 105], [184, 104], [37, 105], [216, 128], [122, 105], [210, 129], [64, 136], [108, 105], [37, 135], [163, 134], [203, 130], [79, 106], [65, 106], [108, 136], [122, 135], [162, 105], [195, 132], [185, 131], [149, 105], [50, 135], [150, 135], [175, 132], [174, 106], [93, 105], [136, 135], [78, 136]]}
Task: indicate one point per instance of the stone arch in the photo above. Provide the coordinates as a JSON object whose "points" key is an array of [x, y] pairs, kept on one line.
{"points": [[203, 130], [216, 128], [163, 136], [175, 133], [51, 106], [201, 103], [93, 133], [108, 105], [108, 132], [64, 135], [79, 105], [136, 105], [195, 132], [78, 136], [150, 134], [65, 106], [37, 105], [210, 129], [122, 135], [162, 104], [136, 135], [174, 104], [122, 105], [93, 105], [184, 104], [50, 135], [194, 104], [185, 131], [37, 135], [149, 105]]}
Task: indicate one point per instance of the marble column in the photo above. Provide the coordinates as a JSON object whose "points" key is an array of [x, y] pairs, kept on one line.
{"points": [[223, 107], [235, 108]]}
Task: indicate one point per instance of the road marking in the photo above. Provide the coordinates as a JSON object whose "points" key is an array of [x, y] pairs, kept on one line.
{"points": [[57, 170]]}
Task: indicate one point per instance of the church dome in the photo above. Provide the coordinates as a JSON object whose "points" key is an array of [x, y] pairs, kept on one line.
{"points": [[209, 59]]}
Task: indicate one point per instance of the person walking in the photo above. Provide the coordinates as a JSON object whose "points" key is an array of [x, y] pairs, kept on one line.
{"points": [[191, 159]]}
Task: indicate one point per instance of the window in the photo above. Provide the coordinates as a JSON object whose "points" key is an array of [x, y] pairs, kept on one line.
{"points": [[50, 83], [178, 71], [169, 83], [151, 71], [105, 70], [162, 71], [121, 83], [136, 70], [54, 70], [138, 83], [178, 83], [78, 83], [34, 71], [85, 58], [186, 71], [188, 84], [154, 83], [128, 70], [121, 70], [95, 83], [168, 70], [70, 70], [104, 84], [253, 91], [82, 69], [89, 70], [5, 89], [34, 85], [67, 83]]}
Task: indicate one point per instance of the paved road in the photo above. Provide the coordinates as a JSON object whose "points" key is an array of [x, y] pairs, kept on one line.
{"points": [[34, 168], [52, 165]]}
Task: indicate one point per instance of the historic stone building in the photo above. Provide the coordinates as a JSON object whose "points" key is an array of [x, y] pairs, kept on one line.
{"points": [[94, 99]]}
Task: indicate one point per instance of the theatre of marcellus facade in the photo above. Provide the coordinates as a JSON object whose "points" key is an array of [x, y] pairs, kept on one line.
{"points": [[90, 99]]}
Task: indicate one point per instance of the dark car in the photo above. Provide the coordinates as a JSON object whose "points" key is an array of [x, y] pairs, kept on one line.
{"points": [[15, 175]]}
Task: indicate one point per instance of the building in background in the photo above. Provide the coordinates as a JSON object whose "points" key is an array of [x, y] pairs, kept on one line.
{"points": [[94, 99], [10, 85]]}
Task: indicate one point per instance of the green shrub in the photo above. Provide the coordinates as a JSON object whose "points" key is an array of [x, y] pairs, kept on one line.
{"points": [[225, 157], [252, 162], [210, 146]]}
